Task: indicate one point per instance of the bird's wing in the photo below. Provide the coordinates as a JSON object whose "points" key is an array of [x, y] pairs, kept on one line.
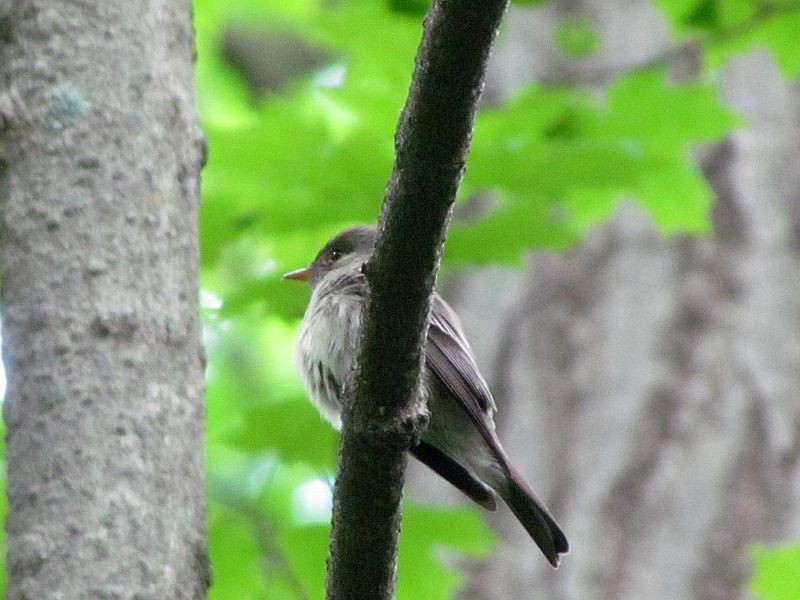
{"points": [[449, 356]]}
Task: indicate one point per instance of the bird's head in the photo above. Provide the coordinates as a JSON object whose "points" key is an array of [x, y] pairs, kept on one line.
{"points": [[354, 245]]}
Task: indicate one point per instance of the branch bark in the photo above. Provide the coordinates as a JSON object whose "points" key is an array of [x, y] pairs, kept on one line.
{"points": [[384, 415], [99, 163]]}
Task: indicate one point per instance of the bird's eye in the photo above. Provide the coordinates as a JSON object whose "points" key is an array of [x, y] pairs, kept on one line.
{"points": [[335, 255]]}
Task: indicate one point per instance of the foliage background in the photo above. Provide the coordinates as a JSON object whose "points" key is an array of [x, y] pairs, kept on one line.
{"points": [[299, 100]]}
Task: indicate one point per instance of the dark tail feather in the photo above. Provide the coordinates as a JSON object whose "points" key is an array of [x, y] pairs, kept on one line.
{"points": [[534, 516], [453, 472]]}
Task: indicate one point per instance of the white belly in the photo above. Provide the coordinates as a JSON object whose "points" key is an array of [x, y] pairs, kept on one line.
{"points": [[325, 350]]}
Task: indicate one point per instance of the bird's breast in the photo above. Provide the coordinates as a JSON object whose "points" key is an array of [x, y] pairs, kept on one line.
{"points": [[326, 348]]}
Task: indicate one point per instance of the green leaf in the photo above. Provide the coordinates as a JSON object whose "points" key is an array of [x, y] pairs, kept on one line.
{"points": [[317, 159], [303, 167], [409, 7], [662, 194], [707, 15], [245, 532], [554, 160], [306, 549], [280, 298], [777, 572], [678, 11], [732, 27], [645, 106], [238, 570], [427, 533], [286, 428], [778, 34]]}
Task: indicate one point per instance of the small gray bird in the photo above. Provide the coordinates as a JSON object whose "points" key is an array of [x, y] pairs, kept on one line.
{"points": [[460, 443]]}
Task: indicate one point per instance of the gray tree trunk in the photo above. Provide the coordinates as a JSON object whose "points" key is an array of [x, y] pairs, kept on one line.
{"points": [[648, 386], [101, 336]]}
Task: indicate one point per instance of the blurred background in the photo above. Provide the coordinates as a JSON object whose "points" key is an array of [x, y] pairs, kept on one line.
{"points": [[625, 257]]}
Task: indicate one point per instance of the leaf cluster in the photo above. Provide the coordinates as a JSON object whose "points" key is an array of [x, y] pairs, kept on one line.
{"points": [[728, 28]]}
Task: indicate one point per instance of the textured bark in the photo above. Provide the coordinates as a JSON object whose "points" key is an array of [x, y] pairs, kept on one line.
{"points": [[98, 200], [386, 414], [652, 383]]}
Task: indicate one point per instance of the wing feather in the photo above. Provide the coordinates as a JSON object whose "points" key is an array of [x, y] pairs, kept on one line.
{"points": [[449, 356]]}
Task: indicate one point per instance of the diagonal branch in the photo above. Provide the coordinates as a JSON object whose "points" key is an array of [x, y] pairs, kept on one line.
{"points": [[384, 416]]}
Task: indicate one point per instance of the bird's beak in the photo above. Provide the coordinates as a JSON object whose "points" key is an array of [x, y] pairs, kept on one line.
{"points": [[303, 274]]}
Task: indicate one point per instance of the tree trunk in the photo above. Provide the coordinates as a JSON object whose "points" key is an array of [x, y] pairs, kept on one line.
{"points": [[652, 383], [101, 336]]}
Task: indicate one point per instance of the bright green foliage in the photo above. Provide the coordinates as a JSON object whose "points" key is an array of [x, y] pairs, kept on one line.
{"points": [[237, 574], [429, 534], [711, 15], [731, 27], [287, 172], [777, 573], [779, 35], [411, 7], [560, 162]]}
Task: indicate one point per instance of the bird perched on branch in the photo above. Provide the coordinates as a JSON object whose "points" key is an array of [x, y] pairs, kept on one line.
{"points": [[460, 443]]}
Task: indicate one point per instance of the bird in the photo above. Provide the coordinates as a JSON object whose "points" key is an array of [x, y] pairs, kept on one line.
{"points": [[460, 443]]}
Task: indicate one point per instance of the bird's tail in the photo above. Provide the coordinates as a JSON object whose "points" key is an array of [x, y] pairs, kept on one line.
{"points": [[534, 516]]}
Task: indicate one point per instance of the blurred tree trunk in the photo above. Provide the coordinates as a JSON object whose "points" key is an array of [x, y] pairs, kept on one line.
{"points": [[101, 336], [652, 383]]}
